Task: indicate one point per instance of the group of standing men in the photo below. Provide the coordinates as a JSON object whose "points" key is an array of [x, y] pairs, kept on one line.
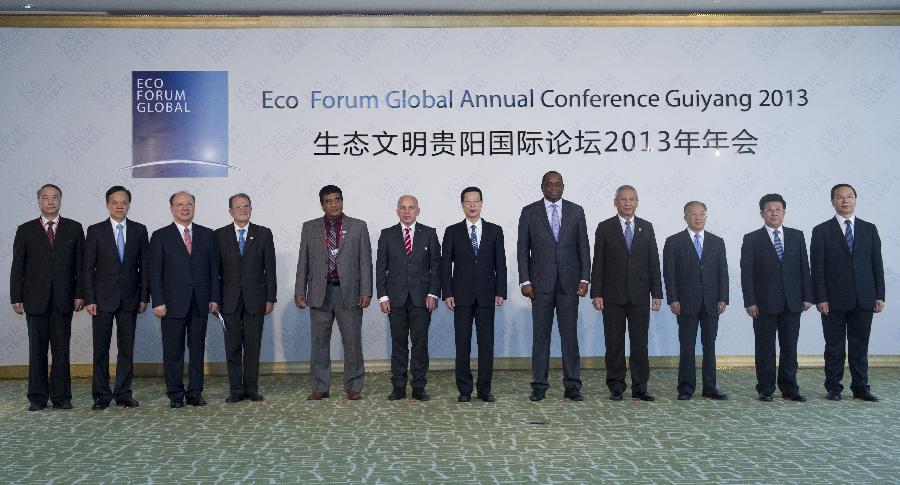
{"points": [[190, 271]]}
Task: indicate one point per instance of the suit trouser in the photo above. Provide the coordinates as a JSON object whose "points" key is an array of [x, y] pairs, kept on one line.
{"points": [[637, 317], [52, 328], [174, 331], [542, 307], [484, 328], [102, 324], [243, 339], [687, 336], [409, 325], [787, 327], [349, 321], [853, 328]]}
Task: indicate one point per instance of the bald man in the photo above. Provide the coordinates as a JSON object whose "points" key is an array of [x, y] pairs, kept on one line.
{"points": [[408, 281]]}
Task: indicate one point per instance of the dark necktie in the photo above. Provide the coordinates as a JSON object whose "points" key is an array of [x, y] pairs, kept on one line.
{"points": [[629, 236], [848, 234], [473, 237], [697, 246], [51, 234], [241, 241], [407, 241], [332, 246]]}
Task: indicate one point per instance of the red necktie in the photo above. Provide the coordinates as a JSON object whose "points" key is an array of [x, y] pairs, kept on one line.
{"points": [[187, 240], [51, 235], [407, 241]]}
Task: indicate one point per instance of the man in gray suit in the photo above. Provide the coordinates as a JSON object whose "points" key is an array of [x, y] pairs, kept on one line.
{"points": [[334, 277], [554, 268], [408, 281]]}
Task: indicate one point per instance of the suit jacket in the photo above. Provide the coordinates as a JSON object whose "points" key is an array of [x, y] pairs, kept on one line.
{"points": [[417, 275], [354, 262], [250, 277], [175, 275], [847, 280], [695, 283], [543, 260], [111, 284], [769, 283], [471, 279], [39, 270], [619, 277]]}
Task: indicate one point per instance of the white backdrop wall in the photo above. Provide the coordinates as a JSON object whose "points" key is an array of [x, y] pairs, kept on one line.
{"points": [[66, 104]]}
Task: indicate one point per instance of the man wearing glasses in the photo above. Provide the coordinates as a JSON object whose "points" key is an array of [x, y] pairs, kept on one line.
{"points": [[777, 288], [247, 266]]}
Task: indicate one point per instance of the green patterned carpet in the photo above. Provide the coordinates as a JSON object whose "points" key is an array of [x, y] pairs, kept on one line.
{"points": [[290, 440]]}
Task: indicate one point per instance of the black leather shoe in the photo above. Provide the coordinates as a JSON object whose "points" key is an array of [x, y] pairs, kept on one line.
{"points": [[642, 396], [176, 403], [867, 396], [684, 397], [234, 398], [616, 396], [197, 401], [255, 396], [833, 396], [536, 396], [397, 394], [64, 404], [715, 396], [100, 404], [420, 395], [793, 397], [489, 397], [127, 402], [464, 398], [766, 398], [36, 406], [574, 395]]}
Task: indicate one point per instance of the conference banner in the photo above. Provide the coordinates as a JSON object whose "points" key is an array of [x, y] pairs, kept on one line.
{"points": [[722, 115]]}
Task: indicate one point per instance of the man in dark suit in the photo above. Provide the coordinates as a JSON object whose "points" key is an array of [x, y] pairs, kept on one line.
{"points": [[777, 288], [554, 266], [625, 273], [184, 285], [334, 277], [116, 263], [696, 274], [247, 268], [45, 283], [474, 284], [848, 286], [408, 281]]}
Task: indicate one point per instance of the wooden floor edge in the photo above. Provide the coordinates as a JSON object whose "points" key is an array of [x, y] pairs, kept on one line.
{"points": [[500, 363]]}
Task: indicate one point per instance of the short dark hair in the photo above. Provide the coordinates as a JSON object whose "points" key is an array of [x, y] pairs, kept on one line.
{"points": [[772, 198], [693, 202], [48, 186], [329, 189], [117, 188], [838, 186], [552, 172], [172, 197], [462, 195], [239, 195]]}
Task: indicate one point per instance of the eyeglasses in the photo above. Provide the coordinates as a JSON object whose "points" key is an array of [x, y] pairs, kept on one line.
{"points": [[773, 212], [182, 205], [242, 207]]}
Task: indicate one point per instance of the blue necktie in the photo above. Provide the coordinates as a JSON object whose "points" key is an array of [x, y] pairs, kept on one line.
{"points": [[554, 221], [629, 236], [697, 246], [120, 242], [779, 247], [473, 237], [848, 234], [241, 241]]}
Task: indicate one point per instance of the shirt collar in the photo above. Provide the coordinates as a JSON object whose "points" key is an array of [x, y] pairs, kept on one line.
{"points": [[691, 233], [841, 219], [237, 228], [622, 220], [412, 228], [558, 203], [770, 230], [44, 221], [477, 224], [190, 227], [114, 223]]}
